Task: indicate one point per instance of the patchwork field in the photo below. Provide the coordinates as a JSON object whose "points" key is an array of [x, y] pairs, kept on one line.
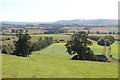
{"points": [[54, 62], [65, 37], [34, 38]]}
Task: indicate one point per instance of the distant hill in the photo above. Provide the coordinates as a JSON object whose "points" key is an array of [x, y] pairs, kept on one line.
{"points": [[16, 23], [89, 22], [63, 23]]}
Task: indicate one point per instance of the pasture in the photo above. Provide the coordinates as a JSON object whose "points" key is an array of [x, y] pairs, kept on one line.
{"points": [[34, 38], [54, 62], [64, 36]]}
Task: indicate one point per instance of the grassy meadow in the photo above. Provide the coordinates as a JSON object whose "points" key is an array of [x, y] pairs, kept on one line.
{"points": [[54, 62]]}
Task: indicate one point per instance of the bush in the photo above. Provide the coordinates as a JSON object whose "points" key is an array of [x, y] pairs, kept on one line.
{"points": [[95, 38], [61, 40], [7, 38], [8, 49]]}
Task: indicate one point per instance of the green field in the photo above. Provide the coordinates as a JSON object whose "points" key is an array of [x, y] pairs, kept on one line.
{"points": [[54, 62], [98, 49], [34, 38], [55, 37], [64, 36]]}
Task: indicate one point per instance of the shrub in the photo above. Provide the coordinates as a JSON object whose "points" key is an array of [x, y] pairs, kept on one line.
{"points": [[7, 38], [8, 49], [94, 37], [61, 40]]}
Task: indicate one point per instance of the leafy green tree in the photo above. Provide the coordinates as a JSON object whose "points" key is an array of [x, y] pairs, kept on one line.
{"points": [[106, 41], [23, 45], [80, 45]]}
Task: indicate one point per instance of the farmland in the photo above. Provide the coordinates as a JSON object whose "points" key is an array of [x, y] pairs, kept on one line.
{"points": [[65, 36], [59, 39], [34, 38], [54, 62]]}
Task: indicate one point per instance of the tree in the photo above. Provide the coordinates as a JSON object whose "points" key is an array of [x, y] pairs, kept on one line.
{"points": [[110, 32], [13, 31], [97, 32], [106, 41], [80, 45], [22, 46]]}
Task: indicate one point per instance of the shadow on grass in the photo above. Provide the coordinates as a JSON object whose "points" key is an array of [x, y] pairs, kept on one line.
{"points": [[99, 58]]}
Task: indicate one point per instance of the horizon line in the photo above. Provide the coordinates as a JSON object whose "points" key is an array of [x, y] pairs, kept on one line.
{"points": [[54, 21]]}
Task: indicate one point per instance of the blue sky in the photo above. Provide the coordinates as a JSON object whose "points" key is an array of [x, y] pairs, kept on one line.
{"points": [[53, 10]]}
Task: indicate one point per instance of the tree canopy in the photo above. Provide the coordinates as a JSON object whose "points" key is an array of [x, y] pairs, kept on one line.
{"points": [[79, 44], [22, 46]]}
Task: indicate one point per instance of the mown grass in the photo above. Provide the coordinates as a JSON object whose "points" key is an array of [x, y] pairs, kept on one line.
{"points": [[54, 62]]}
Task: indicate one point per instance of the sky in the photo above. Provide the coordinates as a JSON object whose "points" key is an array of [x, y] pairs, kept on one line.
{"points": [[54, 10]]}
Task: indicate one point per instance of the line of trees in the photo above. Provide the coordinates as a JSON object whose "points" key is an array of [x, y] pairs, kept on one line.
{"points": [[23, 46], [41, 43], [96, 38]]}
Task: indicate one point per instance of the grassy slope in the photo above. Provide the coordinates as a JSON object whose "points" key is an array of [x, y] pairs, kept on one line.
{"points": [[55, 62]]}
